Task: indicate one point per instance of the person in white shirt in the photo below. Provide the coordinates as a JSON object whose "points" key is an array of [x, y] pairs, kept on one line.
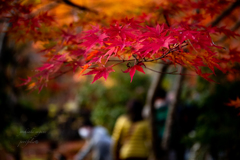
{"points": [[98, 141]]}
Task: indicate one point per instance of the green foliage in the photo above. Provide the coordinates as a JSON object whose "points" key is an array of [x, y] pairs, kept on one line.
{"points": [[16, 136], [107, 103], [218, 124]]}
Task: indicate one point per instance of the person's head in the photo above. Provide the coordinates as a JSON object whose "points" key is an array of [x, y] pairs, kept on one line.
{"points": [[134, 110], [160, 98], [161, 94], [85, 130]]}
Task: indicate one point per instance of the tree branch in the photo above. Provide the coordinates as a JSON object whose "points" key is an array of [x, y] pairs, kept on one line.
{"points": [[225, 13], [149, 106], [166, 19], [164, 55], [60, 74], [151, 60], [5, 26], [172, 109], [83, 8], [44, 9]]}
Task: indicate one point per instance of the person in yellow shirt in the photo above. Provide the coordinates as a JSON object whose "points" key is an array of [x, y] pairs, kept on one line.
{"points": [[131, 135]]}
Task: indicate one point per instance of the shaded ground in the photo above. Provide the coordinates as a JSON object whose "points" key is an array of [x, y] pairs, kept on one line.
{"points": [[42, 151]]}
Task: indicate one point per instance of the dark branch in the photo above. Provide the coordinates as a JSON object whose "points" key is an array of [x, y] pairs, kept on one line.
{"points": [[165, 54], [83, 8], [166, 19], [60, 74], [225, 13], [43, 9], [116, 60], [173, 72], [152, 60]]}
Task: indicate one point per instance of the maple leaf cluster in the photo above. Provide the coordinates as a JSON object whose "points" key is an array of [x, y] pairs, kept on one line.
{"points": [[26, 23], [136, 45], [134, 42]]}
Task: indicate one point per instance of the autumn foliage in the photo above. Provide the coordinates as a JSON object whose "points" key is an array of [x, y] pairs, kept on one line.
{"points": [[175, 32]]}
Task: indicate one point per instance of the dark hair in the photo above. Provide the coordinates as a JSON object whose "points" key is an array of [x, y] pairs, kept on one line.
{"points": [[134, 110], [161, 93], [87, 122]]}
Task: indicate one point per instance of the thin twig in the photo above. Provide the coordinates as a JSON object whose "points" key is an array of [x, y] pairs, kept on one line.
{"points": [[160, 72], [115, 60], [60, 74], [117, 64], [173, 72], [164, 55]]}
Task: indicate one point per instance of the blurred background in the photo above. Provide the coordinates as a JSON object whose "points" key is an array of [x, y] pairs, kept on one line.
{"points": [[44, 125]]}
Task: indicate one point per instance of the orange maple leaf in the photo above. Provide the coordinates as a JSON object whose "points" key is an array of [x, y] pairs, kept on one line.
{"points": [[234, 103], [86, 66]]}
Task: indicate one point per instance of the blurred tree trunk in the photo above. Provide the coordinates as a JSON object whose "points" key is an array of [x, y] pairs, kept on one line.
{"points": [[8, 90], [17, 154], [156, 83], [171, 117]]}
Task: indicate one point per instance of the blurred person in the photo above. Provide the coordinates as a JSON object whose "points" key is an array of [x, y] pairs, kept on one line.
{"points": [[161, 110], [176, 149], [131, 135], [98, 141]]}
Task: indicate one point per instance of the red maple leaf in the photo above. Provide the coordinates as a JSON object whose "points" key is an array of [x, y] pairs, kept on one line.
{"points": [[133, 23], [25, 81], [234, 55], [77, 52], [67, 36], [133, 69], [90, 41], [212, 62], [223, 30], [155, 32], [75, 65], [100, 72], [121, 31], [204, 75], [95, 29]]}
